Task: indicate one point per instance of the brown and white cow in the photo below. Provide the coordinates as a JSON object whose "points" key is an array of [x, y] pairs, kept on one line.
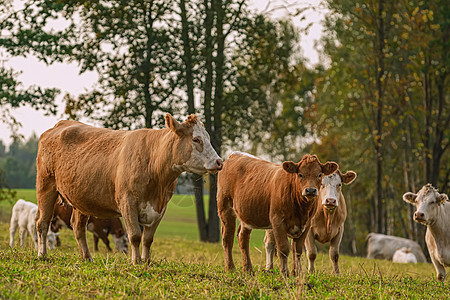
{"points": [[111, 173], [327, 225], [264, 195], [433, 211], [100, 228]]}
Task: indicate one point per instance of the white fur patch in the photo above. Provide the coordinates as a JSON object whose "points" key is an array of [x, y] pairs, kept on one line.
{"points": [[148, 216], [200, 162], [330, 188], [245, 154]]}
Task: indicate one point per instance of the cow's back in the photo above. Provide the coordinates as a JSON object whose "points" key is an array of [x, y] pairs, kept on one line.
{"points": [[384, 246], [250, 183]]}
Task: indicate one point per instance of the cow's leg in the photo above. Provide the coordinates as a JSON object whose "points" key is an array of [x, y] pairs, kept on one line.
{"points": [[298, 245], [147, 240], [131, 219], [31, 227], [95, 242], [269, 243], [282, 245], [311, 251], [440, 269], [23, 236], [244, 241], [79, 221], [334, 250], [46, 194], [228, 218], [12, 229]]}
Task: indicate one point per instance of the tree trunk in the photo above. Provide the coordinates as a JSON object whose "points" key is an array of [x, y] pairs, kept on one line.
{"points": [[379, 119], [197, 180], [147, 69]]}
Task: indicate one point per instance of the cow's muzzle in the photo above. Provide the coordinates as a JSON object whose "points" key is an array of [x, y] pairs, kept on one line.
{"points": [[330, 203], [310, 192], [218, 166], [419, 217]]}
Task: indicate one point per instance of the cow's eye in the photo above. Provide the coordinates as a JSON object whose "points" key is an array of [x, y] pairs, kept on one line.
{"points": [[196, 140], [339, 184], [320, 175], [300, 175]]}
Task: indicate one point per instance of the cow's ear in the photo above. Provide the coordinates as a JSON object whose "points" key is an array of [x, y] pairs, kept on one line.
{"points": [[173, 124], [290, 167], [410, 198], [349, 177], [442, 198], [329, 167]]}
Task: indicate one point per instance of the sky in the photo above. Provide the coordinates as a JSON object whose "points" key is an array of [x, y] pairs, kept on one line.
{"points": [[66, 77]]}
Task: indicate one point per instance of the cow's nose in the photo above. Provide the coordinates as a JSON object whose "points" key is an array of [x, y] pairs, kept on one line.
{"points": [[219, 164], [419, 215], [311, 191], [330, 201]]}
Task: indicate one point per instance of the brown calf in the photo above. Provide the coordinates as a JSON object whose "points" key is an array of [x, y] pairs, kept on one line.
{"points": [[264, 195], [100, 228]]}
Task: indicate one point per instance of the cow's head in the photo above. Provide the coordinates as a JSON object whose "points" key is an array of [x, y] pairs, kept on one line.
{"points": [[121, 240], [427, 202], [309, 173], [51, 239], [199, 156], [330, 190]]}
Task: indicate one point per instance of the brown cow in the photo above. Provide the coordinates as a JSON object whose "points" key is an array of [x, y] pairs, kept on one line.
{"points": [[100, 228], [265, 195], [111, 173]]}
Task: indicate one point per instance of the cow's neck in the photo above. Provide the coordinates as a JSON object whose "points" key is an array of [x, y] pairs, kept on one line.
{"points": [[439, 229]]}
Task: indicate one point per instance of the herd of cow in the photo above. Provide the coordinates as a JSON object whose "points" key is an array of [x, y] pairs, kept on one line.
{"points": [[88, 177]]}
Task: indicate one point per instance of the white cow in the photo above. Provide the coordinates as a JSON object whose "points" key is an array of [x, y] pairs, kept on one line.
{"points": [[433, 210], [404, 255], [23, 216], [383, 246]]}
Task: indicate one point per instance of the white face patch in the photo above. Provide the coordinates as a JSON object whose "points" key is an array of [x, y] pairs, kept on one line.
{"points": [[147, 215], [331, 188], [201, 162], [295, 232]]}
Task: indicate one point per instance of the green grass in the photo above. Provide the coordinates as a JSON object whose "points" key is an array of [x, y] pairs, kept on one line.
{"points": [[183, 267]]}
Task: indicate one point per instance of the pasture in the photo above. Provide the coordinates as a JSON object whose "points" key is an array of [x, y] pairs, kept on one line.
{"points": [[182, 267]]}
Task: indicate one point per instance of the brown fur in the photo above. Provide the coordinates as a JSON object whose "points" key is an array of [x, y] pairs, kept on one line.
{"points": [[101, 228], [266, 195], [108, 173]]}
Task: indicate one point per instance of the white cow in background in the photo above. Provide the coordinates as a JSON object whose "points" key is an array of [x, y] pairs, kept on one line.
{"points": [[404, 255], [23, 216], [433, 211]]}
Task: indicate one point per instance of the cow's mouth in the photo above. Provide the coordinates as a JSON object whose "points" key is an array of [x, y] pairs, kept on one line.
{"points": [[330, 206], [421, 221]]}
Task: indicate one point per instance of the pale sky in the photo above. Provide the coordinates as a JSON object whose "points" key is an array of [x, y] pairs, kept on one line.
{"points": [[66, 77]]}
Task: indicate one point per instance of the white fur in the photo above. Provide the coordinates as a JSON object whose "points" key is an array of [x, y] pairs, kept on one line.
{"points": [[121, 243], [200, 162], [148, 216], [331, 188], [23, 216]]}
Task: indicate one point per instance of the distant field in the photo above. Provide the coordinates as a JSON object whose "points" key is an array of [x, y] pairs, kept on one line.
{"points": [[180, 219]]}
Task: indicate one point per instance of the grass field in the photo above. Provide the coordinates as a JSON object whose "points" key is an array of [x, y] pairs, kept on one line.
{"points": [[182, 267]]}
